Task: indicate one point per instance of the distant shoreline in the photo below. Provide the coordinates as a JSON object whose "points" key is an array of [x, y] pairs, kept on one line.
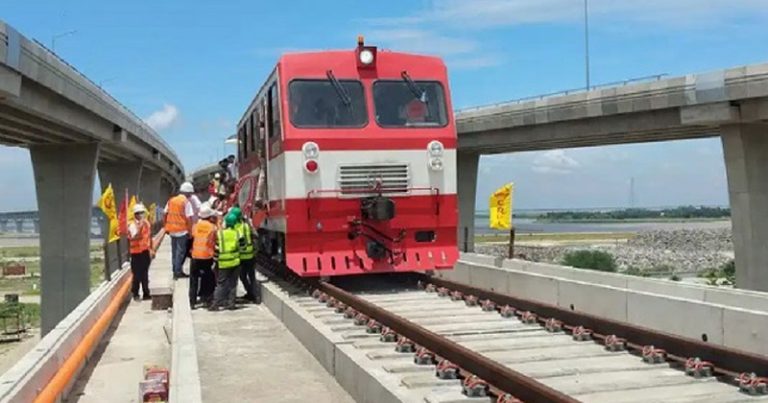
{"points": [[628, 220]]}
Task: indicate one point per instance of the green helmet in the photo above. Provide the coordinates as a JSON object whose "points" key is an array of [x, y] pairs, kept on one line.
{"points": [[230, 220], [237, 213]]}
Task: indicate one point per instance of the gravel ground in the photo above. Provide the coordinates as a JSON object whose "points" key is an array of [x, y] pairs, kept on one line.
{"points": [[681, 250]]}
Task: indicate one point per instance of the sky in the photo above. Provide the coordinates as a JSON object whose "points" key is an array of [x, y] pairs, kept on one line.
{"points": [[191, 67]]}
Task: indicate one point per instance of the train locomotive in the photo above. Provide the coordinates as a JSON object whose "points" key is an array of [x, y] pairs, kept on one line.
{"points": [[347, 163]]}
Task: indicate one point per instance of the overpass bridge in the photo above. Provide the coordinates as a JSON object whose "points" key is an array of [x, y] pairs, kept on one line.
{"points": [[19, 218], [731, 104], [73, 129]]}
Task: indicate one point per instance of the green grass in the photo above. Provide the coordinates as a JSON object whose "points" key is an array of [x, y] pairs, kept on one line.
{"points": [[30, 312], [30, 251], [31, 285], [590, 259]]}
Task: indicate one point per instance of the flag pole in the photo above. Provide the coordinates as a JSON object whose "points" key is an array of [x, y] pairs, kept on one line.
{"points": [[511, 253]]}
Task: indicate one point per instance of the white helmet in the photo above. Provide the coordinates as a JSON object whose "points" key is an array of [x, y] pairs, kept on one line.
{"points": [[205, 211], [139, 208], [187, 187], [217, 175]]}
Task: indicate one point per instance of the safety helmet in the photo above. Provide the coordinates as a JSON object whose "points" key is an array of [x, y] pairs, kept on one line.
{"points": [[187, 187], [230, 220], [237, 213], [139, 208], [205, 211], [217, 175]]}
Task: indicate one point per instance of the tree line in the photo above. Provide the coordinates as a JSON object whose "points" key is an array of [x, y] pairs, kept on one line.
{"points": [[681, 212]]}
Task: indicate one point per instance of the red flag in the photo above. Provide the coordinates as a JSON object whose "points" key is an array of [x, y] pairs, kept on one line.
{"points": [[122, 217]]}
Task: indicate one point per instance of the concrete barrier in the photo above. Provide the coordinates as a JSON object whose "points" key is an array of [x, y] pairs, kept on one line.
{"points": [[184, 384], [669, 307], [24, 381], [743, 299], [348, 365]]}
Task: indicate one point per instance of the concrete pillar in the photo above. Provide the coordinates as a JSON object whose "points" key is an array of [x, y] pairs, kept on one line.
{"points": [[149, 189], [3, 225], [122, 176], [466, 171], [36, 224], [64, 178], [745, 148], [19, 226]]}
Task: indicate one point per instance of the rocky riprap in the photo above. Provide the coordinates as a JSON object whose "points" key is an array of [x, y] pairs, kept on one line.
{"points": [[679, 251]]}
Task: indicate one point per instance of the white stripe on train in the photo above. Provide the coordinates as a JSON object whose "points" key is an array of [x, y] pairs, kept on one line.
{"points": [[299, 183]]}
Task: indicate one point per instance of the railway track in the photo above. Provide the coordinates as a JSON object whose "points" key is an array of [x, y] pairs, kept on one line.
{"points": [[448, 342]]}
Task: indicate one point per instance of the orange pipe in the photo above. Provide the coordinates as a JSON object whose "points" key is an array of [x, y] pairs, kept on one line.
{"points": [[68, 370]]}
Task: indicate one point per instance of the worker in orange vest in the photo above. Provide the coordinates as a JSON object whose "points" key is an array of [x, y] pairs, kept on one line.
{"points": [[202, 281], [179, 217], [140, 237]]}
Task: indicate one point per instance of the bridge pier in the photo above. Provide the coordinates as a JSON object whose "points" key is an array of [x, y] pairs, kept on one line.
{"points": [[64, 179], [122, 176], [466, 171], [19, 226], [3, 225], [36, 225], [745, 147], [149, 187]]}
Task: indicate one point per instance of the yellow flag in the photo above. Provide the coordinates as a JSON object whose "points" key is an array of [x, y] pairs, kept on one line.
{"points": [[107, 205], [151, 213], [500, 207], [130, 208]]}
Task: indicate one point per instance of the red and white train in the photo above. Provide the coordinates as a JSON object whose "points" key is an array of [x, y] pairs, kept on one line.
{"points": [[347, 162]]}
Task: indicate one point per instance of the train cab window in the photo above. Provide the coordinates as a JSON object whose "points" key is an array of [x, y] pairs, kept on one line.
{"points": [[410, 104], [327, 103]]}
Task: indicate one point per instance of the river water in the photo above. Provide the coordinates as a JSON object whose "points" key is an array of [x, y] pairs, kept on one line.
{"points": [[530, 225]]}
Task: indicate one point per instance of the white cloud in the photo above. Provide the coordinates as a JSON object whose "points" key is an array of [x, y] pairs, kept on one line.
{"points": [[448, 27], [422, 41], [460, 53], [461, 14], [554, 162], [164, 118]]}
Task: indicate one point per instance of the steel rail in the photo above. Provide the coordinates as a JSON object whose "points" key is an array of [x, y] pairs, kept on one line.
{"points": [[492, 372], [725, 360]]}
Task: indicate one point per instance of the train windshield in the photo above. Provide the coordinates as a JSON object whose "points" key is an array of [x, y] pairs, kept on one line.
{"points": [[327, 103], [410, 103]]}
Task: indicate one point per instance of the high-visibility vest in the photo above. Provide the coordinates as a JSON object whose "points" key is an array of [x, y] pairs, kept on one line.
{"points": [[143, 239], [176, 217], [204, 240], [246, 250], [229, 250]]}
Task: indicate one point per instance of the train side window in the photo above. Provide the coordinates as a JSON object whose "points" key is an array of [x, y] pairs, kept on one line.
{"points": [[243, 143], [274, 107], [254, 132], [240, 135]]}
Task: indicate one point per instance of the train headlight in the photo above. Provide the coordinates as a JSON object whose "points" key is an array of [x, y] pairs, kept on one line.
{"points": [[436, 164], [310, 150], [366, 56], [435, 148]]}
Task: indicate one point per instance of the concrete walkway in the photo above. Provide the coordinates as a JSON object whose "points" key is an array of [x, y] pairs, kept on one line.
{"points": [[247, 355], [134, 340]]}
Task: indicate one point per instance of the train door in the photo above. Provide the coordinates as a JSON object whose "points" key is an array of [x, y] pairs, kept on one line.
{"points": [[276, 175]]}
